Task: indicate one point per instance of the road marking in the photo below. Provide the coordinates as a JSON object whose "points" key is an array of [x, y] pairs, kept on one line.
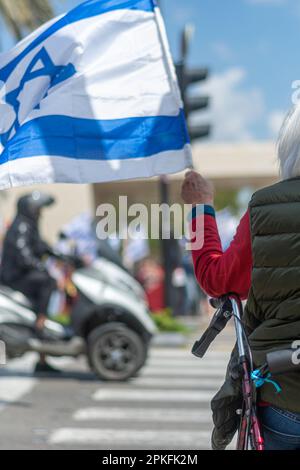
{"points": [[22, 365], [111, 394], [13, 389], [183, 372], [156, 439], [190, 363], [157, 415], [13, 384], [186, 353], [177, 382], [177, 387]]}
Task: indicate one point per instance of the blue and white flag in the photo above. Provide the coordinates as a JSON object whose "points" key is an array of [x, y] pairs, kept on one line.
{"points": [[92, 96]]}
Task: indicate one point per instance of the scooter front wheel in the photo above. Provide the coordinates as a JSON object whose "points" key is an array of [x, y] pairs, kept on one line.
{"points": [[115, 352]]}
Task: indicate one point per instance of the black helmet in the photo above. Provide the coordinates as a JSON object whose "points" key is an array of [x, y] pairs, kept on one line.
{"points": [[31, 204]]}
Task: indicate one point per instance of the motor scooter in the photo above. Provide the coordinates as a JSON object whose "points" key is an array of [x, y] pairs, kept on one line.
{"points": [[109, 323]]}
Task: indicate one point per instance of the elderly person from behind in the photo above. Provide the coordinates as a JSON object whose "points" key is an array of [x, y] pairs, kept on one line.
{"points": [[262, 264]]}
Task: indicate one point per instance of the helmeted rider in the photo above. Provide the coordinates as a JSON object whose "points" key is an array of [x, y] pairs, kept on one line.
{"points": [[22, 266]]}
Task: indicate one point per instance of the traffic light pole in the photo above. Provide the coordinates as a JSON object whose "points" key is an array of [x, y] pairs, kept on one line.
{"points": [[165, 243], [186, 77]]}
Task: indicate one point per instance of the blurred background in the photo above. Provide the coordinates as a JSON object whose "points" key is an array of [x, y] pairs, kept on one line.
{"points": [[236, 62]]}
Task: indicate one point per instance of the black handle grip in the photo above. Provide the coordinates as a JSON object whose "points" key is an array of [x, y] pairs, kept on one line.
{"points": [[201, 346], [283, 361], [217, 324], [217, 302]]}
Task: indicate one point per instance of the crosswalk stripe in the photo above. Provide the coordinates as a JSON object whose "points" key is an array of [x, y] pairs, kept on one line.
{"points": [[116, 437], [190, 364], [14, 388], [161, 397], [177, 382], [23, 365], [157, 415], [111, 394], [183, 372], [186, 353]]}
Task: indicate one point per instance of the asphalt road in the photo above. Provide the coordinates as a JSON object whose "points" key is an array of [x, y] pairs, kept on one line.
{"points": [[166, 407]]}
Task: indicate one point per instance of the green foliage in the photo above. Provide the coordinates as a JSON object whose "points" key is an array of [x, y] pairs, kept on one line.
{"points": [[63, 319], [165, 322], [226, 198]]}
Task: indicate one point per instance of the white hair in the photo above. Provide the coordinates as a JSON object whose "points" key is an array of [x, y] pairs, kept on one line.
{"points": [[288, 145]]}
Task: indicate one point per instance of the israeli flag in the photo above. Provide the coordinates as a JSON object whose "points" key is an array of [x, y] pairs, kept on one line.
{"points": [[92, 96]]}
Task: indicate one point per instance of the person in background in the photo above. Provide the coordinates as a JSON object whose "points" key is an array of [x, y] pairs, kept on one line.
{"points": [[151, 276], [178, 277], [22, 267]]}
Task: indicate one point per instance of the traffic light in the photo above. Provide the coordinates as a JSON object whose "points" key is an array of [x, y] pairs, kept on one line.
{"points": [[192, 104], [186, 78]]}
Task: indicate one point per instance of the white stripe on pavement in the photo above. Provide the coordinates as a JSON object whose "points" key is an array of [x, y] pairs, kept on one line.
{"points": [[111, 394], [176, 382], [22, 365], [190, 363], [13, 384], [148, 439], [174, 372], [159, 415], [183, 353], [13, 389]]}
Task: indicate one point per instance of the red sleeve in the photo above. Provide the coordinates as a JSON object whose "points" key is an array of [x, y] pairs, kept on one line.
{"points": [[218, 272]]}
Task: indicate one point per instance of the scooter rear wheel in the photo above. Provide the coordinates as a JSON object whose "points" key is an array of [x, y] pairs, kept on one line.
{"points": [[115, 352]]}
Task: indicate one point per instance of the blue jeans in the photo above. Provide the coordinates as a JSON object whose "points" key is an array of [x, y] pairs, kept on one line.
{"points": [[281, 428]]}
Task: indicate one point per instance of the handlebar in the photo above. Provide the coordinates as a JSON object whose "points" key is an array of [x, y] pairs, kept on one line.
{"points": [[278, 362], [217, 324], [217, 303]]}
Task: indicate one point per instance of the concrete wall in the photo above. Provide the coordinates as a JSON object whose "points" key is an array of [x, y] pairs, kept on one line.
{"points": [[228, 165]]}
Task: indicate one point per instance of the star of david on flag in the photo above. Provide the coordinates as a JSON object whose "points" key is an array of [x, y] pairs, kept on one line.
{"points": [[90, 97]]}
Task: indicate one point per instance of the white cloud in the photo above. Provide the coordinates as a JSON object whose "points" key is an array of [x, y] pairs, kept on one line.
{"points": [[234, 110], [275, 121]]}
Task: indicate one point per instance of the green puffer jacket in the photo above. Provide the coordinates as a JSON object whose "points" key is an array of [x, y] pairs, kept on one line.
{"points": [[272, 313]]}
